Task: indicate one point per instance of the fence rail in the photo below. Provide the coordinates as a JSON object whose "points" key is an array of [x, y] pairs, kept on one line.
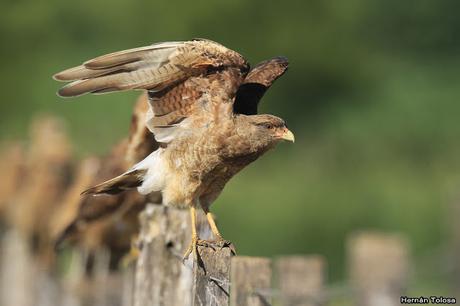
{"points": [[378, 269]]}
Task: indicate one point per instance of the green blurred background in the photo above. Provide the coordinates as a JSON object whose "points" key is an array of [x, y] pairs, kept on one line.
{"points": [[372, 95]]}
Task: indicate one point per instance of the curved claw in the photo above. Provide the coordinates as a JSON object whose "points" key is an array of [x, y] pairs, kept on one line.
{"points": [[213, 244], [226, 244], [193, 248]]}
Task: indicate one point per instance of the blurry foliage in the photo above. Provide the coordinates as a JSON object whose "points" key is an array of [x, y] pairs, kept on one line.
{"points": [[372, 94]]}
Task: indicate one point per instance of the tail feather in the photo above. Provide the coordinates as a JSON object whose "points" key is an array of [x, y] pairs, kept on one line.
{"points": [[126, 181], [59, 242]]}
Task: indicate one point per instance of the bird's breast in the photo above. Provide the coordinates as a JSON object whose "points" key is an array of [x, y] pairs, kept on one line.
{"points": [[202, 165]]}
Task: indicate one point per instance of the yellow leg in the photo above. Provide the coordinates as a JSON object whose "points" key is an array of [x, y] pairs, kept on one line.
{"points": [[219, 239], [212, 223], [133, 254], [193, 243], [193, 219]]}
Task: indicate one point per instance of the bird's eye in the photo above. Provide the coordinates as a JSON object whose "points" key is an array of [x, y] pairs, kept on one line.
{"points": [[269, 126]]}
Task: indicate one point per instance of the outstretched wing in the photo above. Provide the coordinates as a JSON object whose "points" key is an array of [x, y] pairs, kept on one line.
{"points": [[256, 83], [192, 79]]}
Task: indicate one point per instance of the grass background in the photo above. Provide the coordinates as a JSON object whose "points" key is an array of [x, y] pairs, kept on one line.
{"points": [[372, 95]]}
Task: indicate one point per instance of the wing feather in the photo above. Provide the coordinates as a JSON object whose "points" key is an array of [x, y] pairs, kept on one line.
{"points": [[256, 83], [140, 68], [181, 78], [161, 51]]}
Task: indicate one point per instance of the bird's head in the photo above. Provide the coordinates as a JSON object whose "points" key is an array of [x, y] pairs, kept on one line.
{"points": [[269, 129]]}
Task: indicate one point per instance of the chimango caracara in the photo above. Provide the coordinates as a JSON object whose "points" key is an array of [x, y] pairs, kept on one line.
{"points": [[203, 111]]}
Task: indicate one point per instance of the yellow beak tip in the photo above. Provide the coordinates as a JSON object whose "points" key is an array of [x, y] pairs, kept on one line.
{"points": [[289, 136]]}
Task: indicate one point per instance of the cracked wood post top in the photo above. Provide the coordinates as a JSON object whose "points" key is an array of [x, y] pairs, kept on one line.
{"points": [[161, 278]]}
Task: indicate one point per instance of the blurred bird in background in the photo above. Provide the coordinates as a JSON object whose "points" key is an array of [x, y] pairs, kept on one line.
{"points": [[12, 166], [106, 222], [47, 174]]}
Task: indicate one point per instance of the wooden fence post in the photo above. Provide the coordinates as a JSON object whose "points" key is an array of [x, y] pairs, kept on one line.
{"points": [[212, 281], [71, 281], [161, 278], [300, 280], [128, 285], [379, 266], [17, 271], [251, 281]]}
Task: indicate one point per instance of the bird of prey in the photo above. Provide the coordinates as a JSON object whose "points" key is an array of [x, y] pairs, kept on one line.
{"points": [[12, 166], [47, 172], [203, 112], [91, 220]]}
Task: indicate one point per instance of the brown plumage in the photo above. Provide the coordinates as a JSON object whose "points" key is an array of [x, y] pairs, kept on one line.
{"points": [[68, 210], [12, 167], [89, 219], [47, 173], [80, 217], [203, 106]]}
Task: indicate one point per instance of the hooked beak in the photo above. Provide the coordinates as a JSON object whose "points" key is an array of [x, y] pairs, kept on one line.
{"points": [[288, 135]]}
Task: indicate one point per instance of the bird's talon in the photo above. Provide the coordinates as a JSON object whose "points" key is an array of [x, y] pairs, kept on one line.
{"points": [[227, 244], [206, 244], [130, 258], [133, 254], [186, 254], [213, 244], [222, 243], [192, 248], [230, 245]]}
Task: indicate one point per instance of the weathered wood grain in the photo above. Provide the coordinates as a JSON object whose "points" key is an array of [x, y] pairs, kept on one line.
{"points": [[300, 280], [161, 278], [128, 285], [17, 271], [212, 278], [379, 266], [251, 281]]}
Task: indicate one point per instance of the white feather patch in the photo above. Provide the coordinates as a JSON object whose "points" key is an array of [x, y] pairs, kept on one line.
{"points": [[157, 169], [168, 133]]}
